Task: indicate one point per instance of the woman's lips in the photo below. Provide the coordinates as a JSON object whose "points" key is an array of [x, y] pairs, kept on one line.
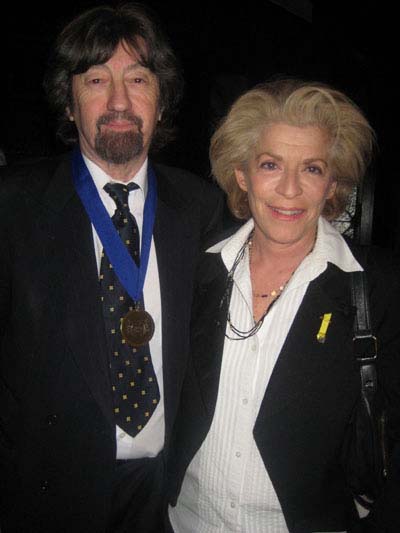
{"points": [[285, 213]]}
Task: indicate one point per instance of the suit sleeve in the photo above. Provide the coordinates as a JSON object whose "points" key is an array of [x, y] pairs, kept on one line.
{"points": [[5, 283]]}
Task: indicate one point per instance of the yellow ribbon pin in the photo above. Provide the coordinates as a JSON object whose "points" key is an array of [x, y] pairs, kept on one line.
{"points": [[321, 335]]}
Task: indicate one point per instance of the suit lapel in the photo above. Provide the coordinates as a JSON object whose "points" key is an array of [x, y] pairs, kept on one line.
{"points": [[176, 250], [75, 285]]}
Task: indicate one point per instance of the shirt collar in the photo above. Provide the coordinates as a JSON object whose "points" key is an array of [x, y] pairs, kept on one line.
{"points": [[101, 178], [330, 247], [230, 247]]}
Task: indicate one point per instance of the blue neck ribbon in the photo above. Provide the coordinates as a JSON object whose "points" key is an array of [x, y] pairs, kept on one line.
{"points": [[129, 274]]}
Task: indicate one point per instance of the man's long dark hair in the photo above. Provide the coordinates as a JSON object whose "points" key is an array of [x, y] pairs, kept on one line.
{"points": [[91, 39]]}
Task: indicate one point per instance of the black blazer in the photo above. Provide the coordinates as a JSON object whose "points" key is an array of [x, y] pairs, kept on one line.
{"points": [[57, 433], [310, 397]]}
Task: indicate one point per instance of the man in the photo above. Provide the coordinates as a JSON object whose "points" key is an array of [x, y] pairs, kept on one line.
{"points": [[95, 289]]}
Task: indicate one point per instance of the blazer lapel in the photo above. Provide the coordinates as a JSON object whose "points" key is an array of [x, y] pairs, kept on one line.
{"points": [[76, 286], [303, 357], [210, 311]]}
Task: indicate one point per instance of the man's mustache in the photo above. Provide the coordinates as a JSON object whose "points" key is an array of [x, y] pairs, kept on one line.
{"points": [[122, 115]]}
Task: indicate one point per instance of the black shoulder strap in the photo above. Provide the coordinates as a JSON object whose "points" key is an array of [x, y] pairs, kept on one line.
{"points": [[364, 342]]}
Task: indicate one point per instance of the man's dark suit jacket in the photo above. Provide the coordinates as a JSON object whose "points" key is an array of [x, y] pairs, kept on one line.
{"points": [[310, 397], [57, 433]]}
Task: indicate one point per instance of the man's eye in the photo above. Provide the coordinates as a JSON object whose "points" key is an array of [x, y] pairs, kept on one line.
{"points": [[137, 80], [314, 170]]}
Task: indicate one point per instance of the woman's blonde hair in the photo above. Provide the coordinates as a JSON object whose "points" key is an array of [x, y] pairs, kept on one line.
{"points": [[300, 104]]}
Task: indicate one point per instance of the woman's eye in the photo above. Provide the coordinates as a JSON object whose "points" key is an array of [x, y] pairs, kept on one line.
{"points": [[269, 165]]}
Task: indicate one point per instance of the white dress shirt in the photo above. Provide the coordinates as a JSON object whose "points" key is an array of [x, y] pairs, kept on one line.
{"points": [[226, 487], [150, 440]]}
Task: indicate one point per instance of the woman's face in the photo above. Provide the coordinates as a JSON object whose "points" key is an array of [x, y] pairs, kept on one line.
{"points": [[288, 180]]}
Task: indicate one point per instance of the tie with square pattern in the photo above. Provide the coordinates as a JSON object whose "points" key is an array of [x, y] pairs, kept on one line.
{"points": [[134, 383]]}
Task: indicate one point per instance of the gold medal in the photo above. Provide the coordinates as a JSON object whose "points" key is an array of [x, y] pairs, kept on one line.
{"points": [[137, 327]]}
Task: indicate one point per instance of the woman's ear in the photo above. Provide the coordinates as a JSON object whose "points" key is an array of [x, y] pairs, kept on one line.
{"points": [[241, 179], [331, 189]]}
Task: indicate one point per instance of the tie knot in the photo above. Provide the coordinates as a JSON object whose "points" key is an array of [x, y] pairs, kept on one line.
{"points": [[119, 192]]}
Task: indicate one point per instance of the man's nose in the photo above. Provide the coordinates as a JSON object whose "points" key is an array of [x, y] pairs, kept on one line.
{"points": [[118, 99]]}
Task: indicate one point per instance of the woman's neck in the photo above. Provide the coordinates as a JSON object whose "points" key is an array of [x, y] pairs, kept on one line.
{"points": [[268, 252], [271, 267]]}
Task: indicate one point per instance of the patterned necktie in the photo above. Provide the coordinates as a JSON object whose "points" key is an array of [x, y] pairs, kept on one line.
{"points": [[134, 383]]}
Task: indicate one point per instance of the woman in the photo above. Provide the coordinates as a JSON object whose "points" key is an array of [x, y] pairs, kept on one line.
{"points": [[270, 390]]}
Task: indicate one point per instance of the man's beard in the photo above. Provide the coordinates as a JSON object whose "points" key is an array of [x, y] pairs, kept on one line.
{"points": [[119, 148]]}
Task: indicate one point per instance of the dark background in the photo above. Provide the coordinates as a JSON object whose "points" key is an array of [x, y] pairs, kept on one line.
{"points": [[225, 50]]}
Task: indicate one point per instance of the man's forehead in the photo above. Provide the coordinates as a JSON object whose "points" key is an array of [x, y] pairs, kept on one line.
{"points": [[136, 47], [134, 52]]}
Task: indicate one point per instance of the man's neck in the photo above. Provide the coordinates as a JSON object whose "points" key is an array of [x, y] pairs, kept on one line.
{"points": [[124, 172]]}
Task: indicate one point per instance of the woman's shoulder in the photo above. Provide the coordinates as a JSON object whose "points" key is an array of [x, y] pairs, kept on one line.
{"points": [[378, 262], [382, 269]]}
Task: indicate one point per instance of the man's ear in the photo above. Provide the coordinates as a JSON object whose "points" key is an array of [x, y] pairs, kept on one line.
{"points": [[69, 114]]}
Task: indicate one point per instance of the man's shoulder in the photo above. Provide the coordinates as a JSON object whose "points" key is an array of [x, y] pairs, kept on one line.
{"points": [[174, 173], [30, 176], [186, 183]]}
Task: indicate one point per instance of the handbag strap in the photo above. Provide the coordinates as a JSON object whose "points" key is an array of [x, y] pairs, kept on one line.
{"points": [[366, 353], [364, 342]]}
